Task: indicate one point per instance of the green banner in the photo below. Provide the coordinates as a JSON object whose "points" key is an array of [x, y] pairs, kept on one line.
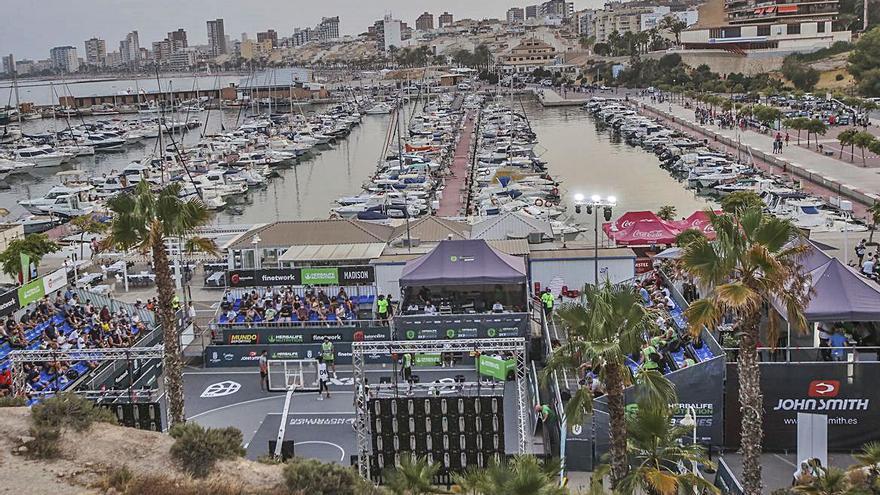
{"points": [[426, 360], [320, 276], [25, 267], [30, 292], [496, 367]]}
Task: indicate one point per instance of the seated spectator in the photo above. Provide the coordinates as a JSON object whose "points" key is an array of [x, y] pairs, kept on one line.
{"points": [[497, 307], [412, 308], [430, 309]]}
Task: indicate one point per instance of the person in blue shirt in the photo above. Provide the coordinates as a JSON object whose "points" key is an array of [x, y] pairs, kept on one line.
{"points": [[838, 344]]}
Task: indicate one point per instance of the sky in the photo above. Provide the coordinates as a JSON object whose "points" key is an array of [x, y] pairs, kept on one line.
{"points": [[31, 27]]}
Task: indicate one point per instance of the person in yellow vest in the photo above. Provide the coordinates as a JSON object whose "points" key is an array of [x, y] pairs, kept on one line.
{"points": [[547, 299], [175, 303], [382, 309], [328, 354]]}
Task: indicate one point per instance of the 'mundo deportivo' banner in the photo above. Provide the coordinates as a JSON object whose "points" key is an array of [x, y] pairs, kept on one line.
{"points": [[223, 356], [343, 275]]}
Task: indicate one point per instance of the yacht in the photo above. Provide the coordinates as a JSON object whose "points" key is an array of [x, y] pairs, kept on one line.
{"points": [[41, 157], [380, 108], [11, 167], [37, 205]]}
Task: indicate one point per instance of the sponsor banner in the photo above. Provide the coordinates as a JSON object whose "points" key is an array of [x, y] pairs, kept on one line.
{"points": [[30, 292], [9, 303], [229, 356], [263, 278], [303, 335], [345, 275], [55, 281], [495, 367], [320, 276], [843, 392], [424, 327]]}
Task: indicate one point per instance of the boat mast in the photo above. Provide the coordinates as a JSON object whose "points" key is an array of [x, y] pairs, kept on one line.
{"points": [[15, 87]]}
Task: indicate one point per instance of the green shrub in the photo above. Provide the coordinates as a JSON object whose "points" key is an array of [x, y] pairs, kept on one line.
{"points": [[317, 478], [70, 411], [10, 401], [197, 448], [119, 479], [45, 443]]}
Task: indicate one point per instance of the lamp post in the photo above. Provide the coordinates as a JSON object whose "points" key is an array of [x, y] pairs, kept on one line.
{"points": [[592, 206], [690, 421], [255, 242]]}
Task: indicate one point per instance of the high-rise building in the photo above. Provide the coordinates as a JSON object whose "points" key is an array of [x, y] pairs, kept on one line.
{"points": [[425, 22], [515, 15], [444, 20], [130, 49], [216, 37], [585, 22], [556, 8], [328, 28], [64, 58], [268, 36], [162, 51], [532, 11], [96, 52], [301, 36], [8, 64], [178, 40], [392, 33]]}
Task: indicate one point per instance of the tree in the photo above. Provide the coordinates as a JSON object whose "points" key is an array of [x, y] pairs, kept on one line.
{"points": [[874, 210], [802, 76], [687, 236], [865, 56], [869, 459], [741, 200], [798, 124], [144, 220], [817, 128], [834, 481], [87, 224], [751, 264], [34, 245], [605, 328], [863, 140], [655, 451], [524, 474], [666, 213], [675, 26], [414, 476], [845, 138]]}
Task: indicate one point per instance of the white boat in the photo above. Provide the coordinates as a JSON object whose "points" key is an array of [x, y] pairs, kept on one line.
{"points": [[11, 167], [36, 205], [380, 108], [42, 157], [77, 149]]}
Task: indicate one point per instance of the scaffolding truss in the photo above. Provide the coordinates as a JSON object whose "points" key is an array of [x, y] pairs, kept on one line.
{"points": [[515, 346], [19, 358]]}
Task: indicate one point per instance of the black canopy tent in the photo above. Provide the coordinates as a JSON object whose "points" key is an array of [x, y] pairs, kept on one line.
{"points": [[467, 275]]}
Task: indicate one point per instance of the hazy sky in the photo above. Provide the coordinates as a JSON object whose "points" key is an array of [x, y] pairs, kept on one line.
{"points": [[29, 28]]}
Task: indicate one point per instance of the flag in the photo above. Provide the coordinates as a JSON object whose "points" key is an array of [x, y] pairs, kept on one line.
{"points": [[25, 268]]}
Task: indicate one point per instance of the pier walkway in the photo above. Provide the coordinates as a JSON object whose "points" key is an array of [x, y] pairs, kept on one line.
{"points": [[452, 202], [549, 97], [827, 175]]}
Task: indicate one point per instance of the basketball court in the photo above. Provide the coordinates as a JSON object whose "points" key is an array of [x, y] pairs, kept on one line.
{"points": [[320, 429]]}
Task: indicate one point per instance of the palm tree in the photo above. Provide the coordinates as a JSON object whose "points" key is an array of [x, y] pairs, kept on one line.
{"points": [[145, 220], [34, 246], [655, 452], [874, 210], [87, 224], [869, 459], [666, 213], [751, 264], [834, 481], [523, 475], [607, 327], [414, 476]]}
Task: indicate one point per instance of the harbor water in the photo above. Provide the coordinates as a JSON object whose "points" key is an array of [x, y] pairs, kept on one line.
{"points": [[585, 158]]}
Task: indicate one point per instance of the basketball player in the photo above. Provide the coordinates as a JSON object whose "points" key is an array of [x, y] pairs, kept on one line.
{"points": [[323, 379]]}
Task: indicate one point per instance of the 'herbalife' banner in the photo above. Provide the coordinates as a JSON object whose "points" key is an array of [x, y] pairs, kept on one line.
{"points": [[304, 335], [478, 326], [344, 275], [846, 393], [228, 356]]}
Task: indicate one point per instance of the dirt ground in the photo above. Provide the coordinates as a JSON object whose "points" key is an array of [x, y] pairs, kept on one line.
{"points": [[87, 456]]}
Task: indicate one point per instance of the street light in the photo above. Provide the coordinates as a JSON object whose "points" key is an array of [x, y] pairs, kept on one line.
{"points": [[690, 421], [255, 242], [592, 206]]}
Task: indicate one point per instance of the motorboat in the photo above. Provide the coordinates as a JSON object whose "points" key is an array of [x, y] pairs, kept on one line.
{"points": [[42, 157], [380, 108], [12, 167]]}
